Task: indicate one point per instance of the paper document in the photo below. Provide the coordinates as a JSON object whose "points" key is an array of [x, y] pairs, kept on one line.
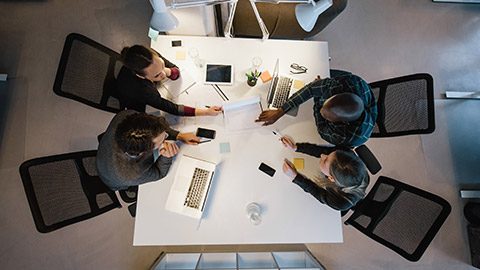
{"points": [[241, 114], [180, 85]]}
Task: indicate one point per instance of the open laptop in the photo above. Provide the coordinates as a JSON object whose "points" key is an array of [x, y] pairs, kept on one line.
{"points": [[189, 191], [281, 88]]}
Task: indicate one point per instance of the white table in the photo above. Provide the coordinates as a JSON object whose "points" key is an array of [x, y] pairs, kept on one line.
{"points": [[289, 215]]}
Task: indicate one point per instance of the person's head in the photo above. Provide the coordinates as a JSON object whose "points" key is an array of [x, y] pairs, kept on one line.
{"points": [[140, 132], [344, 168], [144, 62], [344, 107]]}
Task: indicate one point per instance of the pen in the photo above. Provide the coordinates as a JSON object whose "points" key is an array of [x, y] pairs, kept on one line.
{"points": [[249, 76], [277, 134], [219, 109], [204, 141]]}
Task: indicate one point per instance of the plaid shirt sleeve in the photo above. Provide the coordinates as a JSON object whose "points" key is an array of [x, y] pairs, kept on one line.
{"points": [[321, 89]]}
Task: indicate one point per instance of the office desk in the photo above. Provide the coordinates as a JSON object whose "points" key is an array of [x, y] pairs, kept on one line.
{"points": [[289, 215]]}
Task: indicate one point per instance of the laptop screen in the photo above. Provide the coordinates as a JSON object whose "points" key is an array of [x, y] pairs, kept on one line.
{"points": [[273, 83]]}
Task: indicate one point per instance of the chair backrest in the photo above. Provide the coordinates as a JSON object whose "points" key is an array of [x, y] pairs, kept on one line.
{"points": [[400, 217], [86, 73], [368, 158], [65, 189], [405, 106]]}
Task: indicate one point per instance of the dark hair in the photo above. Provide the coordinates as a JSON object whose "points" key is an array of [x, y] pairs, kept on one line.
{"points": [[138, 57], [136, 132], [348, 170], [345, 106]]}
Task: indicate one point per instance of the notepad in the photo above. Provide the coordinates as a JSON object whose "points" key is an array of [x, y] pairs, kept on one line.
{"points": [[297, 84], [298, 163], [180, 55], [180, 85], [240, 115], [224, 147], [266, 76]]}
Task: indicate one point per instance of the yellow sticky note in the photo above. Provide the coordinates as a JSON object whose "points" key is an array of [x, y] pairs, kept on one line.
{"points": [[298, 163], [297, 84], [180, 55]]}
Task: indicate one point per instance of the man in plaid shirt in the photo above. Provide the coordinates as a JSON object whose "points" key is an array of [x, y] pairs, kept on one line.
{"points": [[344, 108]]}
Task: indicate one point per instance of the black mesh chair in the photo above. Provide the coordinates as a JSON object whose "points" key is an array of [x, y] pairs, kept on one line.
{"points": [[65, 189], [86, 73], [405, 106], [400, 217]]}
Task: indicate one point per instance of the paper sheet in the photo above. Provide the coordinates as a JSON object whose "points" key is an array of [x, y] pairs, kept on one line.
{"points": [[180, 85], [241, 114]]}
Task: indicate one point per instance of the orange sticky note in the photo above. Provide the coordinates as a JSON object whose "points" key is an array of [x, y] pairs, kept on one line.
{"points": [[298, 163], [266, 76]]}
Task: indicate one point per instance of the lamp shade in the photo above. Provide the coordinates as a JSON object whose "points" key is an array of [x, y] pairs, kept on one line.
{"points": [[162, 19], [307, 14]]}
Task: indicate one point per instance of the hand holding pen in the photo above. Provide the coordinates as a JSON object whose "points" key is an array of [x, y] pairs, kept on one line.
{"points": [[211, 111]]}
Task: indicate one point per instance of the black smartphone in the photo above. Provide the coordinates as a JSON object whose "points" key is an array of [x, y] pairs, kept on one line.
{"points": [[176, 43], [267, 169], [206, 133]]}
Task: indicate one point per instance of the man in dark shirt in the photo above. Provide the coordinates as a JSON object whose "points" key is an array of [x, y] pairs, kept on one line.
{"points": [[344, 108]]}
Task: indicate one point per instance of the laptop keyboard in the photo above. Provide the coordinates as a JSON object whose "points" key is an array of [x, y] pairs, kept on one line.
{"points": [[196, 189], [283, 89]]}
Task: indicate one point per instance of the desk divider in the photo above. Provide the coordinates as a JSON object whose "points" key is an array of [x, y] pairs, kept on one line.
{"points": [[291, 260]]}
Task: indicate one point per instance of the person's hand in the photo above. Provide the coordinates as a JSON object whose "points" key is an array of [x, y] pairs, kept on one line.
{"points": [[289, 169], [188, 138], [168, 72], [212, 111], [318, 78], [289, 143], [168, 149], [269, 117]]}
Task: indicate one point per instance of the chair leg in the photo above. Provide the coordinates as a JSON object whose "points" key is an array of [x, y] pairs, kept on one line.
{"points": [[132, 209]]}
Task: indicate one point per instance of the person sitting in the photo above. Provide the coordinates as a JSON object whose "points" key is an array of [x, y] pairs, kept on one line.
{"points": [[133, 150], [346, 175], [143, 70], [344, 108]]}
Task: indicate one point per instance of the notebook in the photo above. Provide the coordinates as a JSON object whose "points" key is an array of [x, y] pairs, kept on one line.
{"points": [[180, 85], [281, 88], [190, 188]]}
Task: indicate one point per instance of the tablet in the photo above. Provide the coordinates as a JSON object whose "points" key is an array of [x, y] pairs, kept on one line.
{"points": [[221, 74]]}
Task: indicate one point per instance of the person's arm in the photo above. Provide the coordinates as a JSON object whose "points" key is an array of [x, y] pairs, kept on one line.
{"points": [[314, 149], [174, 72], [317, 88], [326, 196], [163, 165]]}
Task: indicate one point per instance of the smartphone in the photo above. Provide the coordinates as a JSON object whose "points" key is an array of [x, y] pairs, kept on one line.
{"points": [[267, 169], [206, 133], [176, 43]]}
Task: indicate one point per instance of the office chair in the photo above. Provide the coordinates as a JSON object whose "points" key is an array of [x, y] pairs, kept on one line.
{"points": [[368, 158], [86, 73], [405, 106], [65, 189], [279, 19], [400, 217]]}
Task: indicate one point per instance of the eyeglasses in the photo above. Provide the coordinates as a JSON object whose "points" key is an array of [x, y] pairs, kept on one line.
{"points": [[297, 69]]}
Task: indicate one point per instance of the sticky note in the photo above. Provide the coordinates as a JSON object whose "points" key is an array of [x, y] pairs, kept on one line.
{"points": [[266, 76], [297, 84], [298, 163], [224, 147], [180, 55], [153, 34]]}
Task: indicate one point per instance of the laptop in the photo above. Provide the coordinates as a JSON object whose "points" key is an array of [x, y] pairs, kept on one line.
{"points": [[281, 88], [190, 188]]}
